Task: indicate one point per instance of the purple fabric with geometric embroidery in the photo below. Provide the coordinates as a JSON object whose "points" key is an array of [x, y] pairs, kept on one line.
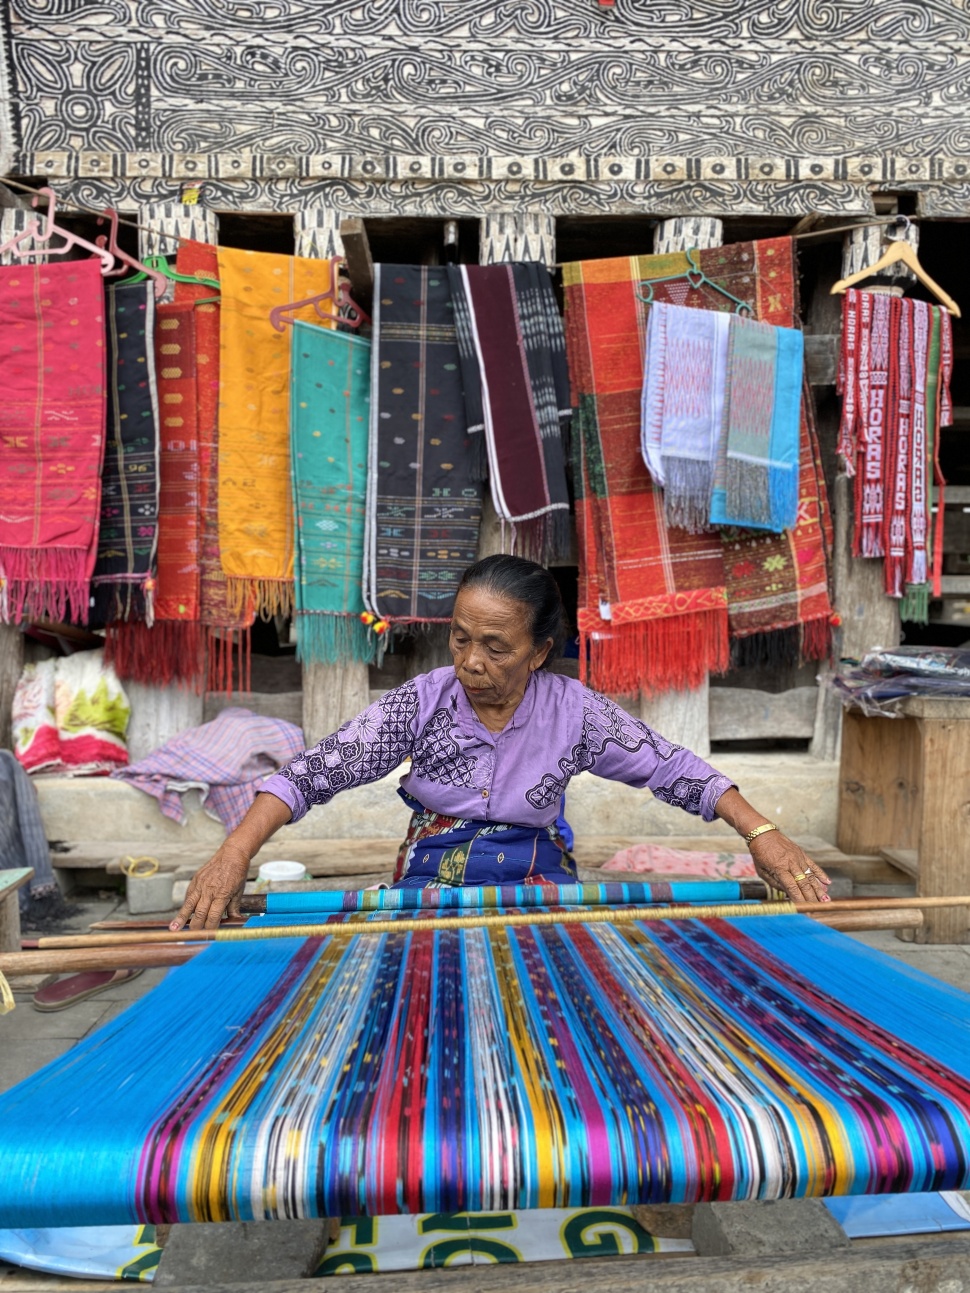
{"points": [[518, 775]]}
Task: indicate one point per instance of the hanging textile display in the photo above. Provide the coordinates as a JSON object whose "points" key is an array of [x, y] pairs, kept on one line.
{"points": [[52, 428], [756, 483], [663, 1060], [226, 627], [507, 345], [894, 377], [684, 379], [123, 584], [652, 600], [329, 424], [70, 716], [779, 605], [172, 648], [424, 488], [255, 509]]}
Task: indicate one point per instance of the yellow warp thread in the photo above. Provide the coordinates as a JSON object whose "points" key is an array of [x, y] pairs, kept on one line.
{"points": [[255, 506], [7, 1002], [602, 916]]}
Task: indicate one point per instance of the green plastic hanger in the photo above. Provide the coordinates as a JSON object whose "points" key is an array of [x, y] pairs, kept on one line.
{"points": [[161, 266], [696, 277]]}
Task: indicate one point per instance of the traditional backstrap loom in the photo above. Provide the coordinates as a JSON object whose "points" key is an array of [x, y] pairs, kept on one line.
{"points": [[393, 1062]]}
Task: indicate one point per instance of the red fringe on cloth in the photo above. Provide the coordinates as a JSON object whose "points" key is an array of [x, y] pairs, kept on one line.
{"points": [[675, 653], [171, 651]]}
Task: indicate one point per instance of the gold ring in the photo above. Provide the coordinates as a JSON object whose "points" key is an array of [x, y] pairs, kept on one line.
{"points": [[803, 876]]}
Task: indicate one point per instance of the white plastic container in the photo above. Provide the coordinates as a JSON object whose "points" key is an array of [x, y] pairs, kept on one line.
{"points": [[270, 872]]}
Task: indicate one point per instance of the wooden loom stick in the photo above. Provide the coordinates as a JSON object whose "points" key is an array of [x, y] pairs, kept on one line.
{"points": [[72, 960], [579, 916]]}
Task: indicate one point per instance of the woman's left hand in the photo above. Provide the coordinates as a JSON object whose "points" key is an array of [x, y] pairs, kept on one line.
{"points": [[783, 865]]}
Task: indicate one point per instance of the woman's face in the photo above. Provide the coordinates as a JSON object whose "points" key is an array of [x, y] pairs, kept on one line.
{"points": [[491, 645]]}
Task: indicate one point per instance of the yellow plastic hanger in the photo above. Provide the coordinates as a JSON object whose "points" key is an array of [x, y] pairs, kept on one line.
{"points": [[899, 250]]}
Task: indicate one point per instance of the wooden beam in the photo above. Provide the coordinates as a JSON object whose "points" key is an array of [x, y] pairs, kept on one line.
{"points": [[360, 263], [11, 667], [745, 714]]}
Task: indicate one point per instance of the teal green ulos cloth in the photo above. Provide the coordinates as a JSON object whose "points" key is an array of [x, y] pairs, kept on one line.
{"points": [[329, 419]]}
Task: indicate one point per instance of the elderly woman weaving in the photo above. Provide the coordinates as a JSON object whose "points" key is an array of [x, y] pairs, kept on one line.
{"points": [[493, 743]]}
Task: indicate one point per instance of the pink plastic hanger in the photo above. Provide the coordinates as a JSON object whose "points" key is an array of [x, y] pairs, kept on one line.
{"points": [[338, 294], [126, 261], [33, 230]]}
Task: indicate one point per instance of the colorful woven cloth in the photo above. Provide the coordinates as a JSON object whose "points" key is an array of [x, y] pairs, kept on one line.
{"points": [[894, 376], [383, 1069], [507, 345], [172, 648], [657, 859], [52, 432], [70, 716], [23, 842], [424, 491], [255, 506], [226, 760], [123, 585], [442, 850], [329, 423], [652, 600], [227, 627], [778, 584], [684, 380], [756, 484]]}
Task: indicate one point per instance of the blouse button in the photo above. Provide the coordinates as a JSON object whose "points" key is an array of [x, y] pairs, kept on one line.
{"points": [[484, 794]]}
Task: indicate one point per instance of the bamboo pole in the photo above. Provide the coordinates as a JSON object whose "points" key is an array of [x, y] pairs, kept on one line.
{"points": [[826, 912], [74, 960], [126, 951]]}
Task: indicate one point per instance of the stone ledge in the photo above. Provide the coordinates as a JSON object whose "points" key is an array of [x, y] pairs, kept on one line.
{"points": [[795, 790]]}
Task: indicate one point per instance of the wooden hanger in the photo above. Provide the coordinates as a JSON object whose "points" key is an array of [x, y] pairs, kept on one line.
{"points": [[899, 250]]}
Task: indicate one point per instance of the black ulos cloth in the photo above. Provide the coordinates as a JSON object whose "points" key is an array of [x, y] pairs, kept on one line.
{"points": [[424, 489]]}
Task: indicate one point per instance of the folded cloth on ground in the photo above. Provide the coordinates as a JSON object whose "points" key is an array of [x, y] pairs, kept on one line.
{"points": [[226, 760], [70, 715], [657, 859], [22, 839]]}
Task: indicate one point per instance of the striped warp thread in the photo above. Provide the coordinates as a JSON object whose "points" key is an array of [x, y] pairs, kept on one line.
{"points": [[487, 1069]]}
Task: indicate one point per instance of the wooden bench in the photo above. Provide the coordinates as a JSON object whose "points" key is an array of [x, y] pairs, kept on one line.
{"points": [[10, 882], [904, 793]]}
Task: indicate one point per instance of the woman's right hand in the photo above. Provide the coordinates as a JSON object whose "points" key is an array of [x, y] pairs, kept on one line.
{"points": [[215, 890]]}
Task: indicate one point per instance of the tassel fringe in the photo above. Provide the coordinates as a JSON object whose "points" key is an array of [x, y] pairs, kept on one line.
{"points": [[46, 584], [326, 638], [672, 654], [268, 597], [230, 661], [171, 651], [915, 605]]}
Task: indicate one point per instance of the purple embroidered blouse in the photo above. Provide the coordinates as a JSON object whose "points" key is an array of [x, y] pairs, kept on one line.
{"points": [[517, 776]]}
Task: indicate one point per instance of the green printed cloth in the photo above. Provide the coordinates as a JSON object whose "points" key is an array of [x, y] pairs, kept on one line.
{"points": [[329, 419]]}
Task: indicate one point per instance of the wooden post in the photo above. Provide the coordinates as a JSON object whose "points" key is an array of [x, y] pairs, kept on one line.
{"points": [[332, 693], [360, 263], [11, 667], [683, 716]]}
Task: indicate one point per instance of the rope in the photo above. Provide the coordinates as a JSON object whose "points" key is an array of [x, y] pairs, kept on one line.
{"points": [[133, 867], [7, 1002]]}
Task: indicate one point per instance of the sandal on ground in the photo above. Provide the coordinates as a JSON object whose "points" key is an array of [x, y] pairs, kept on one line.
{"points": [[57, 993]]}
